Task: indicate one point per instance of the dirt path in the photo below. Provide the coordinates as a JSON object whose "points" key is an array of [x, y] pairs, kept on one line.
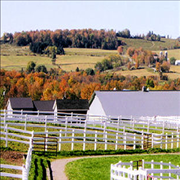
{"points": [[58, 166]]}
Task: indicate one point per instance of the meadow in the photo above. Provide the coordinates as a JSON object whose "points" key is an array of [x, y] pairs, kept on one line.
{"points": [[99, 168], [14, 57], [150, 45]]}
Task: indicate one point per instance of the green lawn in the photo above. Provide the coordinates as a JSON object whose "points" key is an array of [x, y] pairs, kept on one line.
{"points": [[99, 168]]}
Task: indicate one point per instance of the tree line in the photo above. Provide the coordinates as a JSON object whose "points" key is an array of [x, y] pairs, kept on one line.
{"points": [[77, 38]]}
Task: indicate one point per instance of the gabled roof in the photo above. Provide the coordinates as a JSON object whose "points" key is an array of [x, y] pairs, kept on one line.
{"points": [[21, 103], [138, 103], [43, 105], [69, 104]]}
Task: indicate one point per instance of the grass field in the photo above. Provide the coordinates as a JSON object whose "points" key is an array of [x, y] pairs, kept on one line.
{"points": [[13, 57], [172, 53], [99, 168], [149, 45]]}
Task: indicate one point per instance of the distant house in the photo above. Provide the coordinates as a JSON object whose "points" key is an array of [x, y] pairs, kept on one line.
{"points": [[25, 104], [135, 103], [177, 62], [79, 106]]}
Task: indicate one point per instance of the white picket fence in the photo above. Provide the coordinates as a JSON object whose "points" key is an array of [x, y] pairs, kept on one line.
{"points": [[129, 171], [25, 168], [74, 129], [65, 135], [120, 132], [163, 124]]}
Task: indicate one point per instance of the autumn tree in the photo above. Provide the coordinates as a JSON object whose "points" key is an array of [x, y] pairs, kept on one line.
{"points": [[120, 49], [165, 67], [129, 65], [137, 64], [158, 66]]}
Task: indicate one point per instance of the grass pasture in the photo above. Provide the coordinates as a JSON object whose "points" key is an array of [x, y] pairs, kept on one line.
{"points": [[172, 53], [149, 45], [99, 168]]}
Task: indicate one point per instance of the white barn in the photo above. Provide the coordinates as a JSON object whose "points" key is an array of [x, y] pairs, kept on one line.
{"points": [[177, 62], [135, 103]]}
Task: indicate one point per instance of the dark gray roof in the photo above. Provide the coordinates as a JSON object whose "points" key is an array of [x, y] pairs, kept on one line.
{"points": [[21, 103], [69, 104], [44, 105], [138, 103]]}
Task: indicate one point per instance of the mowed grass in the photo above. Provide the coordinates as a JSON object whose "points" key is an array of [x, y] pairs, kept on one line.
{"points": [[172, 53], [149, 72], [14, 57], [150, 45], [99, 168]]}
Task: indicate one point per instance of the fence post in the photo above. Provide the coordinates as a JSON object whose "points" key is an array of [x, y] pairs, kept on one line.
{"points": [[4, 119], [166, 142], [125, 141], [161, 167], [116, 141], [21, 113], [177, 139], [142, 163], [95, 141], [46, 145], [142, 140], [163, 126], [161, 140], [45, 123], [169, 168], [72, 143], [25, 122], [152, 140], [6, 128], [172, 140], [134, 142], [24, 172], [104, 128], [105, 140], [152, 166], [84, 140], [118, 123], [60, 135], [66, 125]]}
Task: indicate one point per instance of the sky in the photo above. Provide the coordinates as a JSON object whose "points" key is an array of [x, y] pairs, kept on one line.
{"points": [[140, 17]]}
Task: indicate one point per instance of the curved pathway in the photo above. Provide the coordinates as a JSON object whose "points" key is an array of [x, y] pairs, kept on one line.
{"points": [[58, 166]]}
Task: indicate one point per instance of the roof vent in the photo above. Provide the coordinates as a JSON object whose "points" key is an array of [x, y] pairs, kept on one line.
{"points": [[144, 89]]}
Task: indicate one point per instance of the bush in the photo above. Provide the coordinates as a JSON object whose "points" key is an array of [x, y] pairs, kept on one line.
{"points": [[172, 60]]}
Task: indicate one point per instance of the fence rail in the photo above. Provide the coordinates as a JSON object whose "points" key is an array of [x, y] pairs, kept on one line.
{"points": [[120, 132], [25, 168], [127, 171]]}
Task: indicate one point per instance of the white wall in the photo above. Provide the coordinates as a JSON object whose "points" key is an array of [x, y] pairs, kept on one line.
{"points": [[9, 107], [96, 108]]}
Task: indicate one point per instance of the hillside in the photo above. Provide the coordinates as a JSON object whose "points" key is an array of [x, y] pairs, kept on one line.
{"points": [[15, 57], [149, 45]]}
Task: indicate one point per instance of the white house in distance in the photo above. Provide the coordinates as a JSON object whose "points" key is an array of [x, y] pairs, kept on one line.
{"points": [[135, 103], [177, 62]]}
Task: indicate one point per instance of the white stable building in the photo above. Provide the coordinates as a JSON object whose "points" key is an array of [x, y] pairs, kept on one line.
{"points": [[135, 103]]}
